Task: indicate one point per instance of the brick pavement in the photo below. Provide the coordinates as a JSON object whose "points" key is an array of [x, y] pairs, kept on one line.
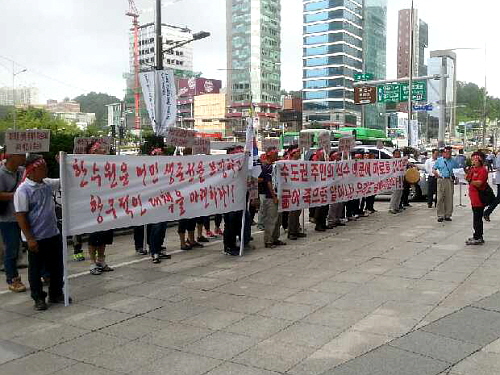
{"points": [[398, 294]]}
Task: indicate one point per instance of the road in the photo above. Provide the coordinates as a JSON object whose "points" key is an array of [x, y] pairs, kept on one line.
{"points": [[388, 294]]}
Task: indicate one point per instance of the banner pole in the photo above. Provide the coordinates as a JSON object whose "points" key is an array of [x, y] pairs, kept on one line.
{"points": [[65, 218], [243, 219]]}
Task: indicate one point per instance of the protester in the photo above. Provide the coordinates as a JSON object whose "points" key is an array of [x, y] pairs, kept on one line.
{"points": [[188, 225], [294, 216], [369, 202], [443, 171], [271, 217], [157, 231], [11, 173], [35, 213], [496, 202], [394, 206], [489, 161], [405, 197], [98, 240], [431, 179], [477, 176], [321, 212], [336, 210]]}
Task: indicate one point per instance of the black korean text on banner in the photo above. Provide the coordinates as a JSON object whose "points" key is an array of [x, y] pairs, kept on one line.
{"points": [[23, 141], [107, 192], [305, 184]]}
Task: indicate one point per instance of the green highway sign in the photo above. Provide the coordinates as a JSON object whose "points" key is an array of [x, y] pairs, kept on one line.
{"points": [[418, 93], [363, 76], [389, 93], [399, 92]]}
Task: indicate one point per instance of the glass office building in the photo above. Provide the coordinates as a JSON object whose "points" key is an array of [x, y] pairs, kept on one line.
{"points": [[375, 55], [332, 53], [253, 56]]}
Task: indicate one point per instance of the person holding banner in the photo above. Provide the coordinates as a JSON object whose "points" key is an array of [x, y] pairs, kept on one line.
{"points": [[271, 216], [10, 177], [294, 217], [336, 210], [394, 205], [35, 213], [320, 213]]}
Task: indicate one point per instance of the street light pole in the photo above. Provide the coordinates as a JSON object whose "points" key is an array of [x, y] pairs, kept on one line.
{"points": [[159, 64], [410, 75], [14, 74]]}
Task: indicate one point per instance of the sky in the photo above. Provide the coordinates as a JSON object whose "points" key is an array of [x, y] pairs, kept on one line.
{"points": [[71, 47]]}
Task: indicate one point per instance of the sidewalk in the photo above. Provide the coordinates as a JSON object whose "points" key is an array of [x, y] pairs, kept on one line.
{"points": [[389, 294]]}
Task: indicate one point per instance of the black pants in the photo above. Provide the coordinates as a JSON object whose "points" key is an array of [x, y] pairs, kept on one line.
{"points": [[352, 208], [232, 228], [284, 220], [156, 236], [293, 222], [48, 257], [218, 220], [186, 225], [370, 202], [139, 236], [406, 195], [431, 190], [495, 203], [320, 215], [478, 222]]}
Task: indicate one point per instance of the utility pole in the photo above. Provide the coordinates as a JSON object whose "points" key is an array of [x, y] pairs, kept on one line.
{"points": [[410, 75], [159, 64], [442, 112]]}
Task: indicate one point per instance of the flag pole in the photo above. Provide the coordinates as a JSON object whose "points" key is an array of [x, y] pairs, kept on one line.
{"points": [[65, 218]]}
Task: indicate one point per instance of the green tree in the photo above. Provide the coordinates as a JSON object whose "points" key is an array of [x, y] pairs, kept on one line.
{"points": [[36, 118], [96, 103]]}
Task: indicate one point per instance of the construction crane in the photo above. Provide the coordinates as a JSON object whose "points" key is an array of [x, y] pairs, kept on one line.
{"points": [[134, 13]]}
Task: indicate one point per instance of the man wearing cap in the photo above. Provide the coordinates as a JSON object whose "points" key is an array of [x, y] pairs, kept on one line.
{"points": [[443, 171], [35, 213], [10, 177], [294, 217]]}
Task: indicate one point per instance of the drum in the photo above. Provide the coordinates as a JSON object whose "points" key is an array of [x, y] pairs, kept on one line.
{"points": [[412, 176]]}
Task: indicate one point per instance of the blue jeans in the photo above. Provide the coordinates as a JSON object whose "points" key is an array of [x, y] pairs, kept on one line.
{"points": [[11, 238]]}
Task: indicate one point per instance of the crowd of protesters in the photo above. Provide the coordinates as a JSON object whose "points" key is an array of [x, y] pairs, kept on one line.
{"points": [[30, 212]]}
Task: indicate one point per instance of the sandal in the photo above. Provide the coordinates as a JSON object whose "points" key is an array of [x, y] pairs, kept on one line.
{"points": [[95, 271], [106, 268], [186, 247], [195, 244]]}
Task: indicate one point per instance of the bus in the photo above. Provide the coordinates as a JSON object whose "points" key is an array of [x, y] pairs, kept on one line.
{"points": [[364, 136]]}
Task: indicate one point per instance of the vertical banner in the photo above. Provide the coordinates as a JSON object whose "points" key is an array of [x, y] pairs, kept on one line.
{"points": [[414, 133], [168, 98], [324, 141]]}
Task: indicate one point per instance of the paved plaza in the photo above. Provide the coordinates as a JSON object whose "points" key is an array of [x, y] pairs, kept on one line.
{"points": [[386, 295]]}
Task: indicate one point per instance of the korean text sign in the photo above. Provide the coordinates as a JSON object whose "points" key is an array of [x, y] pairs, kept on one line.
{"points": [[23, 141], [304, 184], [107, 192]]}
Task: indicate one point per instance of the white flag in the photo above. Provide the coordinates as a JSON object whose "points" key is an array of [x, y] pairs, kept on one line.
{"points": [[164, 80]]}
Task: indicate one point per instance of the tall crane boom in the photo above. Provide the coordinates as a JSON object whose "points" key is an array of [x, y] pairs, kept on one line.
{"points": [[134, 13]]}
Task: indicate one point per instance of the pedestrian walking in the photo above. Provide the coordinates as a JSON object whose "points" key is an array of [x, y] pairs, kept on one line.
{"points": [[443, 171], [477, 176], [11, 173], [394, 206], [36, 216], [431, 179]]}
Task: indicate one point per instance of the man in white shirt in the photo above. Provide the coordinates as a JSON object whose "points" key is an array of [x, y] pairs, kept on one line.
{"points": [[431, 179]]}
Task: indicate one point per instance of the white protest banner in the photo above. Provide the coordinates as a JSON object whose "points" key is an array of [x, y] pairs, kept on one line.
{"points": [[81, 144], [201, 146], [104, 192], [23, 141], [305, 140], [163, 82], [148, 92], [346, 144], [305, 184], [179, 137], [268, 143], [324, 141]]}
